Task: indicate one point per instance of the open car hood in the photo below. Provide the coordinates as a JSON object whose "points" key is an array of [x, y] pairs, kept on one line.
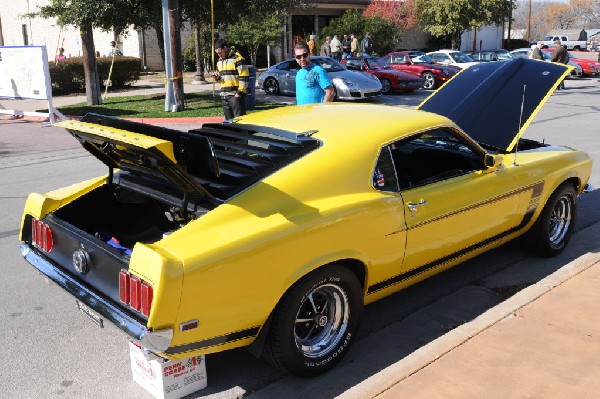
{"points": [[494, 102], [139, 154]]}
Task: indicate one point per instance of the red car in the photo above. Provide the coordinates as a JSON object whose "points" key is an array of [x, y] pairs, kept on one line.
{"points": [[420, 64], [587, 66], [391, 80]]}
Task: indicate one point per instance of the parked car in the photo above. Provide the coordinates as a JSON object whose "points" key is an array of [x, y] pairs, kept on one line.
{"points": [[587, 66], [349, 85], [452, 57], [490, 55], [526, 52], [420, 64], [391, 80], [570, 42], [274, 229]]}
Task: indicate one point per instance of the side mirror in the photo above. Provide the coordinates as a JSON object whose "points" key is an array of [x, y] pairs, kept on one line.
{"points": [[492, 162], [406, 62]]}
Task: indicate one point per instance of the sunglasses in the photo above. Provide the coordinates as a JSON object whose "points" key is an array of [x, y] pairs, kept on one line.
{"points": [[303, 55]]}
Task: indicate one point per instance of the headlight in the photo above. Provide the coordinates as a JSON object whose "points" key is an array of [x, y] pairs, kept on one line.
{"points": [[343, 83]]}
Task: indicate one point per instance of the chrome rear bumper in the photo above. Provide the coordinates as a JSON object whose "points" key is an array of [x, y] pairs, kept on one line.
{"points": [[155, 341]]}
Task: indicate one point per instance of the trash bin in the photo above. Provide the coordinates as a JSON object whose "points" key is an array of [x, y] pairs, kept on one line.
{"points": [[251, 92]]}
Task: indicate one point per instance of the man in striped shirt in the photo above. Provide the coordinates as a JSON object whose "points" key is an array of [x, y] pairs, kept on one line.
{"points": [[233, 75]]}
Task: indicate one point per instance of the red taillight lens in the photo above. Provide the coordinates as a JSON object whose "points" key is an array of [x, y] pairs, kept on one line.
{"points": [[146, 298], [41, 235], [136, 293], [124, 289]]}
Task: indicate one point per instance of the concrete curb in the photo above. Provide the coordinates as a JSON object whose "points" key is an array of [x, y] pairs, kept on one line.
{"points": [[422, 357]]}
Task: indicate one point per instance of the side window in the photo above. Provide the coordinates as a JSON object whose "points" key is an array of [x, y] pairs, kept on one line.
{"points": [[289, 66], [353, 64], [432, 156], [384, 175]]}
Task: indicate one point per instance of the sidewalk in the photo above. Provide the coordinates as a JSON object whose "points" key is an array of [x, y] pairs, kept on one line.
{"points": [[543, 342]]}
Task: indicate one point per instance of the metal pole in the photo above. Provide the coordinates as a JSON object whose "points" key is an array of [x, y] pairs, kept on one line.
{"points": [[529, 24], [169, 88]]}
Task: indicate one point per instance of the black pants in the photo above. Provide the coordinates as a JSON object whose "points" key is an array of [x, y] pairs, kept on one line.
{"points": [[233, 106]]}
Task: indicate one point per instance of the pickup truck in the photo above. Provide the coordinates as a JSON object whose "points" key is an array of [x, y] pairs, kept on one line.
{"points": [[564, 40]]}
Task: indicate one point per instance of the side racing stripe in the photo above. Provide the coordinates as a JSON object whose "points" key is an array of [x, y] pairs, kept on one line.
{"points": [[536, 191], [220, 340]]}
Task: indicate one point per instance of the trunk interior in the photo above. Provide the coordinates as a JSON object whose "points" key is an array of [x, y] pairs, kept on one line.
{"points": [[122, 217]]}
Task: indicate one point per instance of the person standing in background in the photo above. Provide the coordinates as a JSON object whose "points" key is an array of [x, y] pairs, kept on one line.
{"points": [[561, 56], [346, 44], [234, 77], [336, 48], [312, 83], [536, 52], [61, 55], [312, 46], [354, 45], [326, 47]]}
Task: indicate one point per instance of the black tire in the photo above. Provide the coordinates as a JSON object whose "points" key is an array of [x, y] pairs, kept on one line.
{"points": [[315, 323], [429, 81], [271, 87], [386, 86], [553, 229]]}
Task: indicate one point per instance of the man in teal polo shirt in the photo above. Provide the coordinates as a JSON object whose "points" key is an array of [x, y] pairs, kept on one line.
{"points": [[312, 83]]}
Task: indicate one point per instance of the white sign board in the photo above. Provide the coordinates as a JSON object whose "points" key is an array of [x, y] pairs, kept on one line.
{"points": [[24, 73]]}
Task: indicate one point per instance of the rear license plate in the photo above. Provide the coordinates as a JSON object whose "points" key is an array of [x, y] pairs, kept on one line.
{"points": [[91, 314]]}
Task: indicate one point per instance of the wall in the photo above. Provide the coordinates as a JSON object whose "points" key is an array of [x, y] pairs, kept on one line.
{"points": [[487, 38], [42, 31]]}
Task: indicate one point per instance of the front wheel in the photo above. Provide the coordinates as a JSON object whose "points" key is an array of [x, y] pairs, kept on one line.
{"points": [[429, 81], [554, 227], [316, 321], [386, 86], [271, 87]]}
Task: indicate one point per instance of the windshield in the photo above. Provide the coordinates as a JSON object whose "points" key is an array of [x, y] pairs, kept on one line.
{"points": [[419, 57], [459, 56], [377, 63], [329, 64], [504, 55]]}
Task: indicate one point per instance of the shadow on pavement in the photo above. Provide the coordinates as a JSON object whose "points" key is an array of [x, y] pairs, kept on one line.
{"points": [[398, 325]]}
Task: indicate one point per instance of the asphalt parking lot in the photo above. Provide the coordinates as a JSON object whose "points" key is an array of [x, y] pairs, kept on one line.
{"points": [[52, 351]]}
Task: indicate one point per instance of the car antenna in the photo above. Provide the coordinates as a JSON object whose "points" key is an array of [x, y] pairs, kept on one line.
{"points": [[519, 128]]}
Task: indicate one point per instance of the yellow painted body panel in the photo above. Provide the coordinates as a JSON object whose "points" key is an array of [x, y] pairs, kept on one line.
{"points": [[229, 268]]}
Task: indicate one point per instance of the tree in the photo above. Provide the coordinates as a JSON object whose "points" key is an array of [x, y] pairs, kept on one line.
{"points": [[252, 32], [402, 13], [87, 15], [350, 22], [385, 34], [589, 10], [561, 16], [452, 18]]}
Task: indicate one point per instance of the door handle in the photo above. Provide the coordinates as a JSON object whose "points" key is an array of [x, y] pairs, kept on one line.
{"points": [[413, 207]]}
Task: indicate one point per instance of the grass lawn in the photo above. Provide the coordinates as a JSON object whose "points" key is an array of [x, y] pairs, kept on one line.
{"points": [[152, 106]]}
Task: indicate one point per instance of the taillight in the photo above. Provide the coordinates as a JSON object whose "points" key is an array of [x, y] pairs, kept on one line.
{"points": [[136, 293], [41, 235], [146, 298], [124, 286]]}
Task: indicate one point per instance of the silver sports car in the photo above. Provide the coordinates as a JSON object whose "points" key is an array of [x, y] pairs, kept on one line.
{"points": [[349, 85]]}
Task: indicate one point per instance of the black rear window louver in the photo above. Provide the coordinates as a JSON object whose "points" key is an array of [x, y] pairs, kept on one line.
{"points": [[244, 153], [247, 153]]}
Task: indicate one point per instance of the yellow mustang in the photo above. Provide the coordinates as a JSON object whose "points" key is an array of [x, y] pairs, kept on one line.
{"points": [[276, 228]]}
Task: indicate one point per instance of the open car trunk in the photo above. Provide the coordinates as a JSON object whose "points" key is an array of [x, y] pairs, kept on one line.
{"points": [[158, 181]]}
